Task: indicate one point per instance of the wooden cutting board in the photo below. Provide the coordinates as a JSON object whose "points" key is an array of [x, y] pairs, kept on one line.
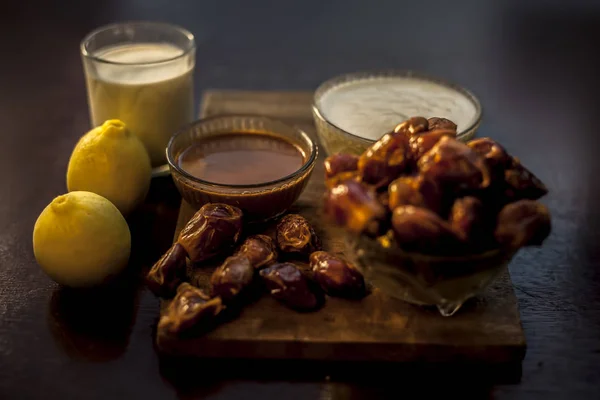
{"points": [[377, 328]]}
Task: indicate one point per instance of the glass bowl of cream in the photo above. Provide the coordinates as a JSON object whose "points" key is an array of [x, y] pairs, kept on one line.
{"points": [[353, 111]]}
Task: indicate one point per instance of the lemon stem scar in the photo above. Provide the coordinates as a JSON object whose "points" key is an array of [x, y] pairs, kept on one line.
{"points": [[61, 203], [114, 128]]}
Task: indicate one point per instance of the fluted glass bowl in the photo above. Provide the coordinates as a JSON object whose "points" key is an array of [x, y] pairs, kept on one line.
{"points": [[347, 107], [259, 202], [444, 282]]}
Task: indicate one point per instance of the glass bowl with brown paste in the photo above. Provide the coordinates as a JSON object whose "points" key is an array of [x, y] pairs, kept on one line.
{"points": [[258, 164]]}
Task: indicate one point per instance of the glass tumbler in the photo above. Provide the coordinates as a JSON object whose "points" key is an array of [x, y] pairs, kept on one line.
{"points": [[142, 74]]}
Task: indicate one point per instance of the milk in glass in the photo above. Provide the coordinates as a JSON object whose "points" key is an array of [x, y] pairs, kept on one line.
{"points": [[149, 86]]}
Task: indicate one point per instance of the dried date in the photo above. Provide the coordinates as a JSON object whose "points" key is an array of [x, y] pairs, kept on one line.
{"points": [[387, 158], [354, 206], [441, 123], [336, 276], [455, 166], [189, 310], [384, 160], [213, 230], [508, 174], [422, 143], [338, 163], [343, 177], [296, 235], [522, 183], [412, 126], [290, 286], [496, 157], [416, 191], [467, 218], [260, 250], [165, 276], [232, 277], [523, 223], [423, 231]]}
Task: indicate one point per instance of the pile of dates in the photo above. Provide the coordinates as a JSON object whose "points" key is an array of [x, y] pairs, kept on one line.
{"points": [[429, 193], [258, 263]]}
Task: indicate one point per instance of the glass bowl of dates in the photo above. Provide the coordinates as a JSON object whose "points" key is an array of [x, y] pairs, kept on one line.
{"points": [[258, 164], [354, 110], [434, 220]]}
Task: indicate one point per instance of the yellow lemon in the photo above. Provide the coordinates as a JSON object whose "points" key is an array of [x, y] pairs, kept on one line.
{"points": [[81, 239], [111, 161]]}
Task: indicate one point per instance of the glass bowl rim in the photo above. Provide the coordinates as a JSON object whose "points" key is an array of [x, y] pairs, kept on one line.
{"points": [[306, 166], [351, 77], [191, 46]]}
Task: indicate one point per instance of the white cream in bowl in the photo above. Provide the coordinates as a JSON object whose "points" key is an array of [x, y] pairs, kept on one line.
{"points": [[370, 106]]}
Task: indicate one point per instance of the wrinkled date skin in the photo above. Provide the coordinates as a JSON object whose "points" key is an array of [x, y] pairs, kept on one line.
{"points": [[387, 158], [415, 191], [232, 277], [384, 160], [354, 206], [336, 277], [338, 163], [412, 126], [420, 230], [168, 272], [455, 166], [496, 157], [441, 123], [343, 177], [260, 250], [422, 143], [467, 218], [214, 229], [523, 223], [290, 286], [508, 174], [190, 308], [522, 184], [296, 235]]}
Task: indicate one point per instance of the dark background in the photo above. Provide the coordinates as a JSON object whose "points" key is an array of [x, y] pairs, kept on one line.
{"points": [[533, 64]]}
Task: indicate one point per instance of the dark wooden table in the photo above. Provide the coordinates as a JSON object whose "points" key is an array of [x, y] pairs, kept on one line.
{"points": [[534, 66]]}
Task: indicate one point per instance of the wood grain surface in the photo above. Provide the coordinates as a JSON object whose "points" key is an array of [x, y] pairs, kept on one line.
{"points": [[377, 328], [534, 66]]}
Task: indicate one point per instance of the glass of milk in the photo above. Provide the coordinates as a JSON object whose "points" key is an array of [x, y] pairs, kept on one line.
{"points": [[142, 74]]}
